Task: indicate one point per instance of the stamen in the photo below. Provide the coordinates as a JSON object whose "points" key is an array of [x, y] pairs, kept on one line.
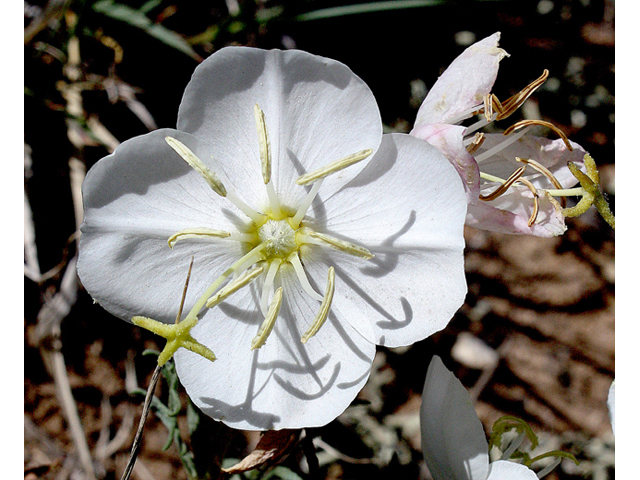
{"points": [[268, 284], [197, 164], [269, 321], [294, 260], [528, 123], [546, 172], [304, 206], [196, 233], [211, 178], [244, 208], [265, 159], [309, 236], [513, 446], [243, 280], [474, 145], [505, 186], [184, 291], [514, 102], [322, 315], [536, 200], [263, 139], [334, 167], [250, 258], [549, 468]]}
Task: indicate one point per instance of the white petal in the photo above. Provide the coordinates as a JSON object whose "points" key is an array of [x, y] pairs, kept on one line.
{"points": [[317, 111], [510, 213], [407, 207], [552, 154], [135, 199], [449, 140], [453, 440], [611, 403], [285, 383], [464, 83], [505, 470]]}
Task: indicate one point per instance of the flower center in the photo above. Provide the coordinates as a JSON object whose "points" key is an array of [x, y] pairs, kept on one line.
{"points": [[278, 238]]}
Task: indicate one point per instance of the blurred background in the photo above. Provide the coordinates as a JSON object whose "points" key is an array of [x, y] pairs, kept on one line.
{"points": [[535, 338]]}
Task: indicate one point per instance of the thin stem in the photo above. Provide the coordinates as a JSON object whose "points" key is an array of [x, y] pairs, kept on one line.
{"points": [[143, 418]]}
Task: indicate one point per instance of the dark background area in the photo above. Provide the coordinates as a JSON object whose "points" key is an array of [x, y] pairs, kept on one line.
{"points": [[544, 306]]}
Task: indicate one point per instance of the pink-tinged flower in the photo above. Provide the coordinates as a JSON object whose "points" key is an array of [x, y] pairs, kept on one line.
{"points": [[511, 179], [314, 237]]}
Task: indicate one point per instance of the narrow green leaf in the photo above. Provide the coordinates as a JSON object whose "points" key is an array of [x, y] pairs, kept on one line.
{"points": [[139, 20]]}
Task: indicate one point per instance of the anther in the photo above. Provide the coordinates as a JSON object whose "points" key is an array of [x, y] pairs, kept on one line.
{"points": [[197, 164], [196, 233], [323, 313], [269, 321], [243, 280], [334, 167], [476, 143], [514, 102], [536, 200], [544, 171], [529, 123], [263, 139], [309, 236], [505, 186]]}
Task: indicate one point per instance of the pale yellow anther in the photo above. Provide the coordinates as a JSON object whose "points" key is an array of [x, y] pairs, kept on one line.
{"points": [[269, 321], [196, 233], [334, 167], [323, 313], [263, 140], [244, 279], [308, 235], [198, 165]]}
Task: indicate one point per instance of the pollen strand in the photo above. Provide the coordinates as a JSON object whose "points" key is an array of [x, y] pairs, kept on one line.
{"points": [[269, 321], [198, 165], [196, 233], [334, 167], [323, 313]]}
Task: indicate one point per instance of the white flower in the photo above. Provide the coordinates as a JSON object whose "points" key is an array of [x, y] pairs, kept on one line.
{"points": [[454, 443], [533, 168], [315, 237]]}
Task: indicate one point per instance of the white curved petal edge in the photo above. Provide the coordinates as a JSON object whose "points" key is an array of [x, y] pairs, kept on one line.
{"points": [[611, 404], [407, 207], [134, 200], [454, 443], [505, 470], [316, 111], [464, 84]]}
